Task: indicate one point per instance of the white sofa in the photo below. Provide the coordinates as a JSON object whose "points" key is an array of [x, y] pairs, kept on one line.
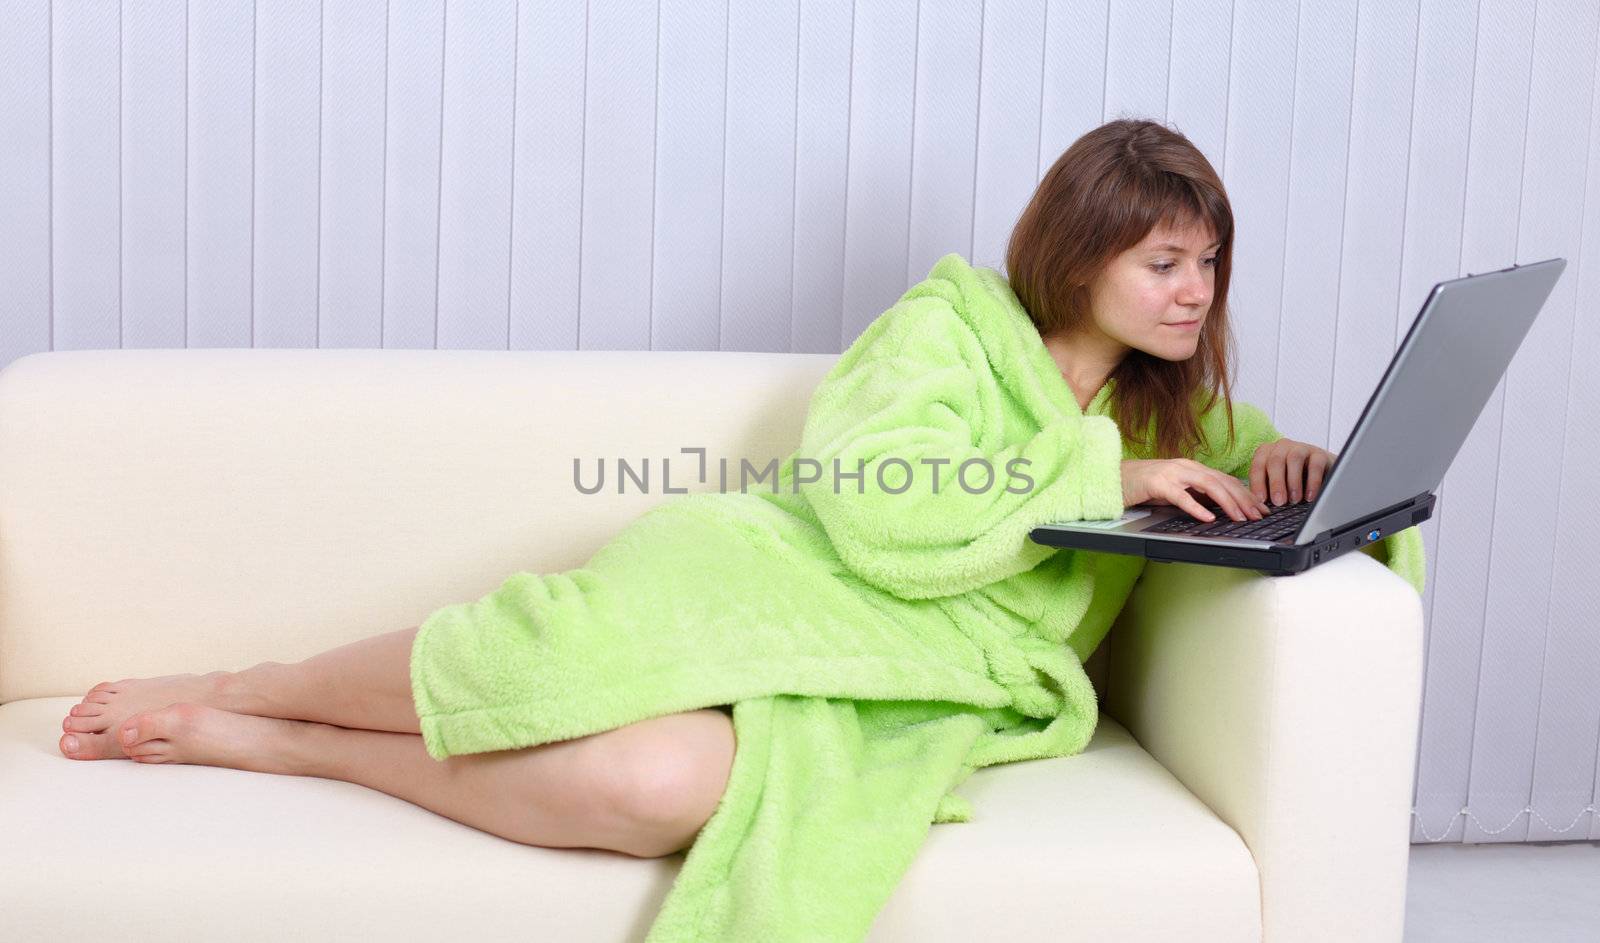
{"points": [[168, 511]]}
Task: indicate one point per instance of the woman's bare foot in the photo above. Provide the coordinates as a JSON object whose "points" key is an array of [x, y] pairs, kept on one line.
{"points": [[208, 736], [91, 723]]}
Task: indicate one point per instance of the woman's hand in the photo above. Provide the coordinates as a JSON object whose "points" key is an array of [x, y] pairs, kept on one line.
{"points": [[1167, 481], [1280, 467]]}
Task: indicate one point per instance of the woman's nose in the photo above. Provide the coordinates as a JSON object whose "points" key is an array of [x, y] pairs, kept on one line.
{"points": [[1195, 289]]}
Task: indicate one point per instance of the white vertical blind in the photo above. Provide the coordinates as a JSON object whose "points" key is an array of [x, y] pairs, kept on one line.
{"points": [[154, 173], [413, 121], [475, 158], [350, 238], [771, 176], [284, 240]]}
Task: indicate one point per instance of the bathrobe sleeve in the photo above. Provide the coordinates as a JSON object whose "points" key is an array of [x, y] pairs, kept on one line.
{"points": [[1402, 552], [910, 403]]}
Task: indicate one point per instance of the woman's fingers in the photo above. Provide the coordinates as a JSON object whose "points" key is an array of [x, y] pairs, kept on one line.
{"points": [[1233, 497], [1242, 497], [1258, 473], [1296, 473], [1243, 503], [1175, 491], [1192, 507], [1316, 469], [1224, 490], [1267, 472], [1287, 472], [1247, 497], [1296, 460]]}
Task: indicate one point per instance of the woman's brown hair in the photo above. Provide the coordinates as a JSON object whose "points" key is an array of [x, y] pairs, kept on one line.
{"points": [[1102, 196]]}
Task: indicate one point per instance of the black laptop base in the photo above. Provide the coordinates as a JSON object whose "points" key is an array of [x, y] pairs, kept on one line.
{"points": [[1285, 560]]}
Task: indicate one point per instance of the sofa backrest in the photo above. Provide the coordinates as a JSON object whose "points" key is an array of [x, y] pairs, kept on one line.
{"points": [[189, 510]]}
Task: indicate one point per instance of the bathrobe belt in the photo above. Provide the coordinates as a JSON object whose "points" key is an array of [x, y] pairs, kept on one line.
{"points": [[1044, 680]]}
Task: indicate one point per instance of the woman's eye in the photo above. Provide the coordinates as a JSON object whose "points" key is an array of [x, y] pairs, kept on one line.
{"points": [[1163, 268]]}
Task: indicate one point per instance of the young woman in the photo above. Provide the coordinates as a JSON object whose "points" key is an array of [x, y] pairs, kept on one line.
{"points": [[1116, 294]]}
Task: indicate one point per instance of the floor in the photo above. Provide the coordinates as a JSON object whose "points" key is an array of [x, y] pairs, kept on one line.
{"points": [[1549, 893]]}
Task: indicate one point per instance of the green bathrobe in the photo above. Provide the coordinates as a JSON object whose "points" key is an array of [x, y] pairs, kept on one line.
{"points": [[879, 638]]}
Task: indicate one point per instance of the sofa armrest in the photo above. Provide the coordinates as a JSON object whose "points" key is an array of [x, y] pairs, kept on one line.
{"points": [[1290, 706]]}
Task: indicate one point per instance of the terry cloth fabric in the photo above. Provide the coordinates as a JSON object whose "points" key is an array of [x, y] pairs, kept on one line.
{"points": [[878, 642]]}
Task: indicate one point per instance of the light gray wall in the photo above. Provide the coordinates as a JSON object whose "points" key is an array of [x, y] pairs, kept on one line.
{"points": [[767, 176]]}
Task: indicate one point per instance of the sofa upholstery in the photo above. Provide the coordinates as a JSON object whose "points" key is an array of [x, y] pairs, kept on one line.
{"points": [[168, 511]]}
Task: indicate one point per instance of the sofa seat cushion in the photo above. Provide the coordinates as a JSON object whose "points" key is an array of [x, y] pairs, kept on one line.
{"points": [[1103, 845]]}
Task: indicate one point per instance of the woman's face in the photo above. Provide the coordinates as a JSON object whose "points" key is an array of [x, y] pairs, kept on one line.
{"points": [[1143, 295]]}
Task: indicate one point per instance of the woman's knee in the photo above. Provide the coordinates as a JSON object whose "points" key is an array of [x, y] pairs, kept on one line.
{"points": [[668, 775]]}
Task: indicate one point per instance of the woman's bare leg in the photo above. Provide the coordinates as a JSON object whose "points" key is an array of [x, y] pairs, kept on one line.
{"points": [[645, 789], [365, 684]]}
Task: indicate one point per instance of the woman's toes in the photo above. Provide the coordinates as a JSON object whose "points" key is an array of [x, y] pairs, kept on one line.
{"points": [[89, 746], [103, 686], [151, 751], [85, 724], [97, 697], [134, 729], [162, 724], [87, 709]]}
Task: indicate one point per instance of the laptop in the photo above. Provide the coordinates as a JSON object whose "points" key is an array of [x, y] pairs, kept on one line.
{"points": [[1383, 480]]}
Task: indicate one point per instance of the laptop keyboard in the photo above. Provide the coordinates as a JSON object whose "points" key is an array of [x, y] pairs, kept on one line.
{"points": [[1282, 521]]}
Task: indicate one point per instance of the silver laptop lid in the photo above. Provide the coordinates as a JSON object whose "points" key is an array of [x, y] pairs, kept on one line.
{"points": [[1438, 382]]}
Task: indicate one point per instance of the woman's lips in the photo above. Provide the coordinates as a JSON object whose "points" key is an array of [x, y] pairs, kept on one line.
{"points": [[1186, 325]]}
